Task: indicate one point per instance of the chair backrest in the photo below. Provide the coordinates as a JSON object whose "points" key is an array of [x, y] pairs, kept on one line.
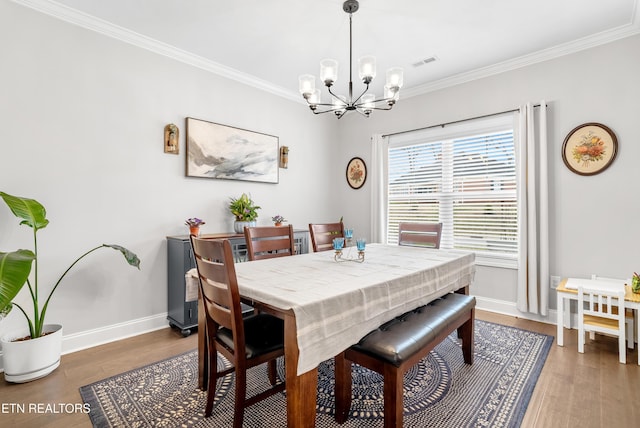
{"points": [[420, 234], [219, 288], [601, 310], [269, 242], [602, 278], [629, 311], [323, 234]]}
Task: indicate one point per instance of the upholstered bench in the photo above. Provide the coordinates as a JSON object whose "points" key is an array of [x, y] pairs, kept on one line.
{"points": [[401, 343]]}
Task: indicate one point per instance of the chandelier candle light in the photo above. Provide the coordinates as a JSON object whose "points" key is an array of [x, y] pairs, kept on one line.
{"points": [[365, 103]]}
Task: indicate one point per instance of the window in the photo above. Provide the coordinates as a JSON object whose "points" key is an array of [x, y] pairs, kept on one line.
{"points": [[463, 176]]}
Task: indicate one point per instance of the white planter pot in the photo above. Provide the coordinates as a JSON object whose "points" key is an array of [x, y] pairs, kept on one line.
{"points": [[32, 359], [238, 226]]}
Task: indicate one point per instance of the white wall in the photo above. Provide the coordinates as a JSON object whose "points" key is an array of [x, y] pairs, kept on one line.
{"points": [[594, 220], [83, 119]]}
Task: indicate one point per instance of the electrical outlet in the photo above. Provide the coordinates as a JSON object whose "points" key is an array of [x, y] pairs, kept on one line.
{"points": [[555, 280]]}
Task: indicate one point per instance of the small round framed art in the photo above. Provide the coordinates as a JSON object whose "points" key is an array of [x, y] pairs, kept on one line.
{"points": [[356, 173], [589, 148]]}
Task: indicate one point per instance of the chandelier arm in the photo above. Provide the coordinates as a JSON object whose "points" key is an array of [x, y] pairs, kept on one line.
{"points": [[324, 111], [383, 100], [379, 100], [322, 104], [355, 102], [331, 108], [334, 95], [389, 107]]}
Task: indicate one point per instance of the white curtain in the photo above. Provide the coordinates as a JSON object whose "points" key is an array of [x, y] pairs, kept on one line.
{"points": [[533, 209], [377, 174]]}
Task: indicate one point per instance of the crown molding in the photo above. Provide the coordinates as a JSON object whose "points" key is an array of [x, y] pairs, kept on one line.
{"points": [[108, 29], [89, 22], [588, 42]]}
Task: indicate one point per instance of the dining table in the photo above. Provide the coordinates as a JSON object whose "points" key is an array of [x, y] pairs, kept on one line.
{"points": [[330, 303]]}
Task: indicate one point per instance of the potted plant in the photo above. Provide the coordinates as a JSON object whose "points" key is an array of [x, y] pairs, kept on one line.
{"points": [[35, 351], [194, 225], [245, 212], [278, 220]]}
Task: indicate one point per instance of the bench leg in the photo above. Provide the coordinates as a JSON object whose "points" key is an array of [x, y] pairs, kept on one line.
{"points": [[465, 332], [465, 291], [342, 388], [393, 396]]}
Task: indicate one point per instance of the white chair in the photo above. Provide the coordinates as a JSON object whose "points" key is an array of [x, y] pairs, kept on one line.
{"points": [[628, 316], [597, 313]]}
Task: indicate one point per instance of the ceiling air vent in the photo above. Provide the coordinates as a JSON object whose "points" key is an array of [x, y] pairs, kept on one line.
{"points": [[424, 61]]}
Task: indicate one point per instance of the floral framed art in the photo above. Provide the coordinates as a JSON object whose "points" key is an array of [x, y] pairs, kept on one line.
{"points": [[356, 173], [589, 148]]}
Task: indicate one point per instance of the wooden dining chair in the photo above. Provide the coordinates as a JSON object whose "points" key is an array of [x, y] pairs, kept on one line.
{"points": [[245, 342], [602, 311], [628, 315], [269, 242], [420, 234], [323, 234]]}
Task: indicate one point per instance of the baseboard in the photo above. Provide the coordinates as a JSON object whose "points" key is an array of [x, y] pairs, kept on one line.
{"points": [[509, 308], [99, 336]]}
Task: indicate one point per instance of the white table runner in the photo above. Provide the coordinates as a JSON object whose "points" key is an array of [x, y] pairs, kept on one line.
{"points": [[336, 304]]}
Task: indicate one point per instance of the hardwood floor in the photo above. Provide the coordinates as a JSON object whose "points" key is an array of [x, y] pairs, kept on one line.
{"points": [[574, 390], [589, 390]]}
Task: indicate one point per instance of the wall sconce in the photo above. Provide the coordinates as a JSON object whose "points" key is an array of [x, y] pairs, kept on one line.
{"points": [[171, 135], [284, 157]]}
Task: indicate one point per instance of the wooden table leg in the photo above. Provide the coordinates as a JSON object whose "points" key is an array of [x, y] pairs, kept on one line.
{"points": [[343, 388], [301, 390], [463, 290], [637, 311], [560, 319]]}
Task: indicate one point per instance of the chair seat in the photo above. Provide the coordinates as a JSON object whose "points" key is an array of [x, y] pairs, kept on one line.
{"points": [[263, 333], [601, 322], [610, 324]]}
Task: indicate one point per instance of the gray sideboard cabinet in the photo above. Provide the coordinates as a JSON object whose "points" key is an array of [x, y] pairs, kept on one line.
{"points": [[182, 303]]}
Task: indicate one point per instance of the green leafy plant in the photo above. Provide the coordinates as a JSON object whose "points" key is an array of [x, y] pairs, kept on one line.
{"points": [[16, 267], [243, 208]]}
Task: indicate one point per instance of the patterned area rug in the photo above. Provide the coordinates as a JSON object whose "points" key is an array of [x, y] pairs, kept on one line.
{"points": [[441, 391]]}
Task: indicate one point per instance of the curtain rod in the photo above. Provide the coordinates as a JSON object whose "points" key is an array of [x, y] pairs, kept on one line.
{"points": [[442, 125]]}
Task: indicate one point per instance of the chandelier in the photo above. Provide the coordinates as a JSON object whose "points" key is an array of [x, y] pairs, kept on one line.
{"points": [[365, 103]]}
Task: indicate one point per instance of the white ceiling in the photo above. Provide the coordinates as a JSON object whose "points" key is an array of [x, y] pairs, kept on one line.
{"points": [[269, 43]]}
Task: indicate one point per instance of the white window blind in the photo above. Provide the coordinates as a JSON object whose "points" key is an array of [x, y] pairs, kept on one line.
{"points": [[463, 176]]}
